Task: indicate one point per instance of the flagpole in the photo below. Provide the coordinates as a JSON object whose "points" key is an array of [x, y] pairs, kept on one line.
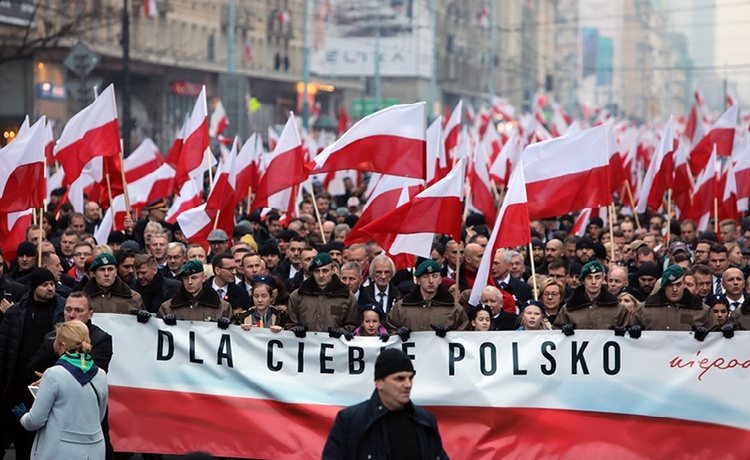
{"points": [[457, 291], [466, 202], [216, 219], [249, 199], [210, 173], [611, 229], [632, 204], [124, 181], [533, 273], [669, 216], [317, 212], [111, 200], [41, 237], [716, 215]]}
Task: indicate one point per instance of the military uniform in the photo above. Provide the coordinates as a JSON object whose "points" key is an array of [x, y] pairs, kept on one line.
{"points": [[659, 314], [206, 306], [600, 313], [319, 309], [418, 314]]}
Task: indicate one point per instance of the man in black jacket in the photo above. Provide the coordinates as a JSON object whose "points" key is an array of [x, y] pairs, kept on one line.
{"points": [[153, 287], [21, 333], [388, 422]]}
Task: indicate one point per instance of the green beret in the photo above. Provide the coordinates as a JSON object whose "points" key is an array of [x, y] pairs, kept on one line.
{"points": [[671, 274], [191, 267], [103, 259], [427, 267], [320, 260], [592, 267]]}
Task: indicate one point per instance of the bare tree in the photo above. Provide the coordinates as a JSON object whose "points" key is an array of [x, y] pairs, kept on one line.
{"points": [[38, 24]]}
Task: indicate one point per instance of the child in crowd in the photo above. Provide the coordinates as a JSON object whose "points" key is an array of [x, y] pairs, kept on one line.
{"points": [[481, 318], [533, 317], [371, 318], [720, 308], [262, 314]]}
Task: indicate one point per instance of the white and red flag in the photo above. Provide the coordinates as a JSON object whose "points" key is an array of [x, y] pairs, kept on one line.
{"points": [[144, 160], [437, 161], [584, 217], [286, 167], [219, 120], [49, 147], [173, 156], [192, 158], [721, 135], [503, 107], [92, 132], [706, 192], [190, 196], [410, 228], [150, 9], [384, 198], [13, 227], [23, 182], [390, 141], [509, 155], [249, 166], [481, 198], [452, 128], [682, 188], [567, 173], [660, 174], [512, 228], [728, 208], [742, 176]]}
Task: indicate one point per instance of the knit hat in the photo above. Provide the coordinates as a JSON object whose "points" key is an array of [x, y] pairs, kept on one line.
{"points": [[447, 282], [248, 238], [39, 276], [650, 269], [320, 260], [427, 267], [103, 259], [26, 248], [268, 249], [590, 268], [391, 361], [671, 274], [191, 267], [116, 236]]}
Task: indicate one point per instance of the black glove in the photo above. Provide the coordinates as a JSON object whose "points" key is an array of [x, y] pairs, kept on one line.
{"points": [[404, 332], [440, 329], [634, 331], [19, 410], [348, 336], [223, 323], [300, 331], [569, 329], [619, 330], [143, 316], [728, 331], [170, 320], [384, 337], [700, 333], [335, 332]]}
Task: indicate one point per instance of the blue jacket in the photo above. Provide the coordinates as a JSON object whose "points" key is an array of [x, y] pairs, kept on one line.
{"points": [[359, 432]]}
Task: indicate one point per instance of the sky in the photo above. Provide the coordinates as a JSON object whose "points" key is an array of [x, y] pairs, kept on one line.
{"points": [[732, 38]]}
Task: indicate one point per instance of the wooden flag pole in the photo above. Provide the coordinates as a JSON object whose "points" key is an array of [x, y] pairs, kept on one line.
{"points": [[632, 203], [41, 237], [533, 273], [612, 230], [210, 173], [716, 215], [111, 200], [317, 212], [216, 219], [669, 217]]}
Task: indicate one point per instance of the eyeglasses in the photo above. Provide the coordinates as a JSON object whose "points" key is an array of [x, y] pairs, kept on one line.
{"points": [[551, 294], [556, 276], [231, 269]]}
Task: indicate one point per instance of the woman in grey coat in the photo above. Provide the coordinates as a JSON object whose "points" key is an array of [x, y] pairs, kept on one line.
{"points": [[71, 401]]}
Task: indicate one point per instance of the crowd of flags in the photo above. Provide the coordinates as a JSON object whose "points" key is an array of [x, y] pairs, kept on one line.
{"points": [[423, 178]]}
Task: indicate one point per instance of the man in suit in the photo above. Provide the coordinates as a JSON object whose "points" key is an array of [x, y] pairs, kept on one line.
{"points": [[381, 289], [501, 273], [223, 282], [351, 275]]}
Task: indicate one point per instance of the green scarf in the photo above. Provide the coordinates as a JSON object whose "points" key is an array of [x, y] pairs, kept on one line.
{"points": [[80, 360]]}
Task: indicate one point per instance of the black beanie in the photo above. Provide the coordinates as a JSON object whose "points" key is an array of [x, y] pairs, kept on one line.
{"points": [[391, 361], [39, 276], [26, 248]]}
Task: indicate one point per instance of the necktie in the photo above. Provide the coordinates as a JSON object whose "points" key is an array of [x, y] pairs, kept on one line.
{"points": [[381, 300], [221, 293], [735, 305], [719, 290]]}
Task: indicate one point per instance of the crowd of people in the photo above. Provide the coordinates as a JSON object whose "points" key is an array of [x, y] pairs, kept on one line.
{"points": [[653, 274]]}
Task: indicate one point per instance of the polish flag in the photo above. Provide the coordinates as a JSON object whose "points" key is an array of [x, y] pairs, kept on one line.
{"points": [[481, 198], [195, 143], [286, 167], [660, 174], [343, 122], [221, 198], [511, 229], [218, 121], [49, 147], [273, 139], [390, 141], [721, 135], [23, 183], [503, 165], [384, 198], [149, 8], [25, 124], [501, 106], [567, 173], [682, 188], [706, 191], [92, 132], [471, 114], [410, 228], [249, 167], [114, 218], [728, 208], [173, 156], [560, 120], [144, 160], [493, 143], [482, 122], [437, 162], [452, 128], [153, 186], [13, 227], [581, 223], [742, 176], [190, 196], [196, 224], [617, 173]]}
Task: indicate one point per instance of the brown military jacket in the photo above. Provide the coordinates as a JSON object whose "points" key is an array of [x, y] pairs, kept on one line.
{"points": [[206, 306], [119, 298], [603, 312], [319, 309], [657, 313], [418, 314]]}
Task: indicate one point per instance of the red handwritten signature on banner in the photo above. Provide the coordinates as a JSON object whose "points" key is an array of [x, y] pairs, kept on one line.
{"points": [[707, 364]]}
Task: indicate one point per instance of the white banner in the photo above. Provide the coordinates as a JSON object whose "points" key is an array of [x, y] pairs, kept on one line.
{"points": [[206, 386]]}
